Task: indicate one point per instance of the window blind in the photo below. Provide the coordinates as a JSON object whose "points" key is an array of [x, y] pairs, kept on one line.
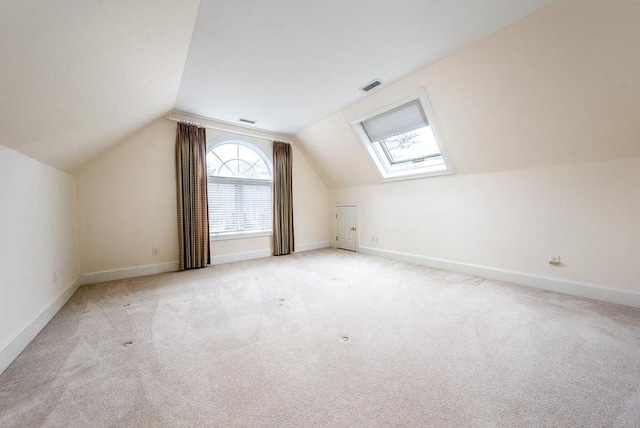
{"points": [[405, 118], [239, 205]]}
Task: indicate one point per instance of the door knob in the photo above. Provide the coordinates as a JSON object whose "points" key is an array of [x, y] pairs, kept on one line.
{"points": [[353, 228]]}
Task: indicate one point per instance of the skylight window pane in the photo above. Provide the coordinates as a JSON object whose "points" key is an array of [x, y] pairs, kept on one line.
{"points": [[412, 145]]}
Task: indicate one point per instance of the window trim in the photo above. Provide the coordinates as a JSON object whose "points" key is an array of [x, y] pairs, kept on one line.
{"points": [[219, 141], [238, 235], [404, 170]]}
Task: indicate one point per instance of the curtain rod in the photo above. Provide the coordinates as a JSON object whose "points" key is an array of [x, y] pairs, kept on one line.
{"points": [[204, 125]]}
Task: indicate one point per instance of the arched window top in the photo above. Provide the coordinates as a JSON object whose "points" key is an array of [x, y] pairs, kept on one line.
{"points": [[237, 159]]}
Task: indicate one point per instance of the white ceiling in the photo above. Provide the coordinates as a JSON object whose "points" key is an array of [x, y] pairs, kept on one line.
{"points": [[79, 76], [289, 64]]}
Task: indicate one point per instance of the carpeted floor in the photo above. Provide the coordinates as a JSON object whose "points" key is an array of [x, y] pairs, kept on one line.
{"points": [[326, 339]]}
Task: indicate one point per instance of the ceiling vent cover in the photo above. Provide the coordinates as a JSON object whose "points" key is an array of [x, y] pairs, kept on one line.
{"points": [[247, 120], [369, 86]]}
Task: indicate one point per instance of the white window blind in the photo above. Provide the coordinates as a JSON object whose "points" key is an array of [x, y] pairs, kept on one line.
{"points": [[405, 118], [239, 205]]}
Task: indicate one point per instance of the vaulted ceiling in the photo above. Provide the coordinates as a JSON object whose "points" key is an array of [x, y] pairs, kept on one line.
{"points": [[79, 76], [289, 64]]}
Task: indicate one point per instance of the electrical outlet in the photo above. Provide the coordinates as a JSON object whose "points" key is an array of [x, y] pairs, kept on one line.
{"points": [[155, 251], [55, 275], [554, 260]]}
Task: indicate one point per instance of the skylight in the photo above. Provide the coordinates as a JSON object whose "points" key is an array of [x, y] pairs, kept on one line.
{"points": [[402, 141]]}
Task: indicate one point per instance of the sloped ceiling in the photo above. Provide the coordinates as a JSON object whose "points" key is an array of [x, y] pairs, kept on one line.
{"points": [[560, 86], [77, 76], [289, 64]]}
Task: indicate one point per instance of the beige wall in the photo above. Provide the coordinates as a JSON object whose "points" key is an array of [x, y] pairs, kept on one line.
{"points": [[38, 234], [586, 213], [127, 203], [541, 123]]}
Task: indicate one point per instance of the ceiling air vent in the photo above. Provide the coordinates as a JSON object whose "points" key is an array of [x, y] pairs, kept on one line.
{"points": [[369, 86], [247, 121]]}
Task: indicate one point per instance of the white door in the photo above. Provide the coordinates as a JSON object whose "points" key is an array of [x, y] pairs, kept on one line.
{"points": [[346, 227]]}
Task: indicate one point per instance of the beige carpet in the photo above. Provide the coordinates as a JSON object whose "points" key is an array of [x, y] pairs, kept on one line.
{"points": [[329, 339]]}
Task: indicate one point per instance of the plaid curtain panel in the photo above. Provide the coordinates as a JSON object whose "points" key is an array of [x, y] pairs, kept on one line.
{"points": [[283, 242], [193, 208]]}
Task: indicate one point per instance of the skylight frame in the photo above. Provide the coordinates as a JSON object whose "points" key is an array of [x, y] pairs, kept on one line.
{"points": [[408, 169]]}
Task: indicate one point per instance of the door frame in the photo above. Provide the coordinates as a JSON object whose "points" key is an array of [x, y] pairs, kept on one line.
{"points": [[335, 224]]}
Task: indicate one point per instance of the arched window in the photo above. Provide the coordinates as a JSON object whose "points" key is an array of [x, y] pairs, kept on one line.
{"points": [[240, 187]]}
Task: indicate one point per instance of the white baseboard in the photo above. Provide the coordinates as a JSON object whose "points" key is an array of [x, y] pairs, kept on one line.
{"points": [[591, 291], [20, 342], [311, 246], [238, 257], [130, 272]]}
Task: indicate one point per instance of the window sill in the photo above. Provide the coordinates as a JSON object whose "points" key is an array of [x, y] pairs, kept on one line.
{"points": [[239, 235]]}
